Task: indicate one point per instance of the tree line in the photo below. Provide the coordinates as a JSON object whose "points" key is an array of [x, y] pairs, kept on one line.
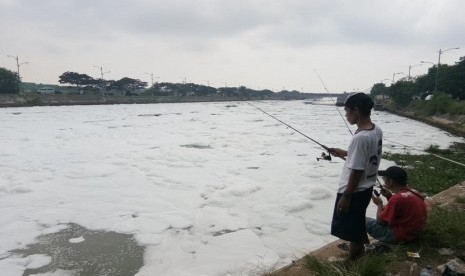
{"points": [[9, 83], [85, 82], [450, 82]]}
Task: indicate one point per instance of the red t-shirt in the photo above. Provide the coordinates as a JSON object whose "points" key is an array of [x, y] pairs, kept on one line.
{"points": [[406, 214]]}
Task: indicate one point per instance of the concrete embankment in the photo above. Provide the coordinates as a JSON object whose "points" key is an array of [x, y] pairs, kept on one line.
{"points": [[454, 124], [32, 99], [63, 99]]}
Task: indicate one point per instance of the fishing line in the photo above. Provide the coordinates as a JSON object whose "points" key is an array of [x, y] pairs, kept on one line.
{"points": [[421, 150], [342, 117], [326, 89]]}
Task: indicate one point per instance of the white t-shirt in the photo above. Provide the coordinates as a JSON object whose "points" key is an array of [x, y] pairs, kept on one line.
{"points": [[364, 153]]}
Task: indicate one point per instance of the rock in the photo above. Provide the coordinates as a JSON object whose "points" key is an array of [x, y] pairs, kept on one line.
{"points": [[453, 267]]}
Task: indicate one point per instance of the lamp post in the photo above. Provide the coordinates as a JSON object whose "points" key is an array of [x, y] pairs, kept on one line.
{"points": [[439, 63], [152, 78], [18, 64], [101, 71], [410, 68], [394, 74], [101, 75]]}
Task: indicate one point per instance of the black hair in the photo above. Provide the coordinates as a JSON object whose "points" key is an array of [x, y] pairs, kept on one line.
{"points": [[362, 101], [395, 173]]}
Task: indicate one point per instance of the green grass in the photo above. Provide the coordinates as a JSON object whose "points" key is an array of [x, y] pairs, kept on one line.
{"points": [[365, 266], [444, 230], [430, 174]]}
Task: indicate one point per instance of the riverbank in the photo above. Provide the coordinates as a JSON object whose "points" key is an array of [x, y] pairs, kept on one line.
{"points": [[33, 99], [454, 124]]}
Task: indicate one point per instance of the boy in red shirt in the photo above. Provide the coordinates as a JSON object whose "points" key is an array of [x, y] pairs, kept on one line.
{"points": [[404, 216]]}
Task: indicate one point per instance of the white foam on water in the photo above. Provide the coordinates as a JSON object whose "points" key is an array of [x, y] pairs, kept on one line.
{"points": [[208, 188]]}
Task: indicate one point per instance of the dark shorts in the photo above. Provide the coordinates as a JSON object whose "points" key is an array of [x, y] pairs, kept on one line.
{"points": [[351, 225]]}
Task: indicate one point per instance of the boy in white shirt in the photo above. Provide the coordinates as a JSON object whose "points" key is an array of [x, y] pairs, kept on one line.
{"points": [[358, 175]]}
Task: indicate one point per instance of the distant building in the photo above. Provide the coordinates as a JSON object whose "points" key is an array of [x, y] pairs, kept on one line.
{"points": [[341, 99]]}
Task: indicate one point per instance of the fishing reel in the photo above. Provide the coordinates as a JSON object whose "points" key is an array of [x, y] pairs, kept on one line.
{"points": [[324, 156]]}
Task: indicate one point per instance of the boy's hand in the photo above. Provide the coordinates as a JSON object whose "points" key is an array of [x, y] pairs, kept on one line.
{"points": [[376, 200], [338, 152], [386, 193]]}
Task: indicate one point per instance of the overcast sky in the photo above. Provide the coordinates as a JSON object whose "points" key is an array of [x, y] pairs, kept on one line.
{"points": [[260, 44]]}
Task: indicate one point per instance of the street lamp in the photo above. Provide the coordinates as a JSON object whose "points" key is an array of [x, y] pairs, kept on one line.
{"points": [[394, 74], [152, 77], [101, 75], [18, 64], [410, 68], [439, 63], [427, 62], [101, 71]]}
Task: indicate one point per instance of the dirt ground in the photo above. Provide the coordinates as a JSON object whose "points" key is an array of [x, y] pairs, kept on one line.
{"points": [[331, 252]]}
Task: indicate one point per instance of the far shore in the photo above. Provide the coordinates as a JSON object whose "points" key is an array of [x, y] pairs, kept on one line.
{"points": [[33, 99]]}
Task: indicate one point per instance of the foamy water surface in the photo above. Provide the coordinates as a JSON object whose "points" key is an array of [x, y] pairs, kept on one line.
{"points": [[207, 188]]}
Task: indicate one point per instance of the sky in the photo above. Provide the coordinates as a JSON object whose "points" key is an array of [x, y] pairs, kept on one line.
{"points": [[272, 44], [206, 188]]}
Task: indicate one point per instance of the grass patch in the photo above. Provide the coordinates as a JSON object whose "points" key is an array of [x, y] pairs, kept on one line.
{"points": [[365, 266], [430, 174], [444, 230]]}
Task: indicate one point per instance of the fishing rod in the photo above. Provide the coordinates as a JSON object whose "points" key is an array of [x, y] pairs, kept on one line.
{"points": [[324, 156]]}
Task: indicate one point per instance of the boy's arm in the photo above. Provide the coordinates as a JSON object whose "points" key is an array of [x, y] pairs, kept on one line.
{"points": [[379, 204], [338, 152]]}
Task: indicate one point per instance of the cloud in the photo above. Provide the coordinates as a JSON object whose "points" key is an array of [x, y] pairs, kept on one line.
{"points": [[241, 41]]}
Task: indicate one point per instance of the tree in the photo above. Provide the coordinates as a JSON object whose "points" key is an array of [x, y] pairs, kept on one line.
{"points": [[378, 89], [9, 82], [77, 79], [456, 81], [402, 92], [128, 85]]}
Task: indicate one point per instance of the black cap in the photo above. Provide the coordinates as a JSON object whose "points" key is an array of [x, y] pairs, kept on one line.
{"points": [[360, 100], [395, 173]]}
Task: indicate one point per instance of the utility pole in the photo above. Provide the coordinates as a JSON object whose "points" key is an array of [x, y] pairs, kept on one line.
{"points": [[101, 77], [439, 63], [18, 64], [394, 74], [410, 68]]}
